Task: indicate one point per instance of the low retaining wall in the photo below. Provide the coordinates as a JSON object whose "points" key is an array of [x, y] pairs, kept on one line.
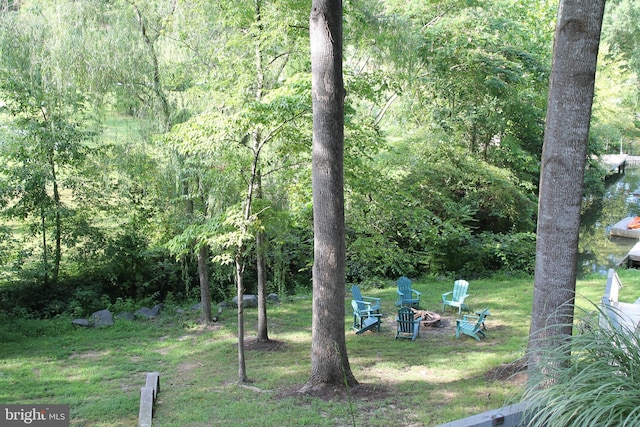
{"points": [[508, 416]]}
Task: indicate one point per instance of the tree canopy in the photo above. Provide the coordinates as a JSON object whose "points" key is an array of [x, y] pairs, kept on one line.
{"points": [[132, 129]]}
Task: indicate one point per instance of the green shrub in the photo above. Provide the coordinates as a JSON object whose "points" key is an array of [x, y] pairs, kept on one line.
{"points": [[591, 380]]}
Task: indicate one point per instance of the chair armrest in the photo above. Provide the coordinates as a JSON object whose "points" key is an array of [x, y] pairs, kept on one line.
{"points": [[444, 296], [363, 302], [372, 299], [416, 292], [468, 317]]}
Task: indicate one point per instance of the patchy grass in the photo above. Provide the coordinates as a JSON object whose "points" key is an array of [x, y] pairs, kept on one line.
{"points": [[433, 380]]}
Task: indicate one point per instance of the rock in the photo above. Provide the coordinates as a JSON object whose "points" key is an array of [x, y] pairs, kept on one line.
{"points": [[196, 307], [81, 322], [145, 313], [273, 298], [157, 309], [102, 318], [180, 311], [125, 315], [247, 301]]}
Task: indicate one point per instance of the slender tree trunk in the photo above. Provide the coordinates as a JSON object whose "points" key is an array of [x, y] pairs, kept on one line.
{"points": [[57, 256], [263, 330], [149, 42], [329, 361], [242, 368], [45, 249], [205, 292], [240, 262], [571, 91]]}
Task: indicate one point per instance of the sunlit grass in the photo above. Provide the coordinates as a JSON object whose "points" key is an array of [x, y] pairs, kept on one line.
{"points": [[435, 379]]}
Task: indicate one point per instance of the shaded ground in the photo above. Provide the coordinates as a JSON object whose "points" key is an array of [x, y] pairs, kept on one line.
{"points": [[514, 372]]}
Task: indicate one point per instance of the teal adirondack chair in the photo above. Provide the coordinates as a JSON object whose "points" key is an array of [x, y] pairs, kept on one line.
{"points": [[406, 295], [364, 320], [408, 325], [369, 304], [472, 325], [457, 296]]}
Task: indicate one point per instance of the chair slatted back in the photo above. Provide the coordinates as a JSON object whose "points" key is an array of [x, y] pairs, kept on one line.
{"points": [[460, 288]]}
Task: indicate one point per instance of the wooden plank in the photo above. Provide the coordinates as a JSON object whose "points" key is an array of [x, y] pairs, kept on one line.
{"points": [[153, 381], [146, 407]]}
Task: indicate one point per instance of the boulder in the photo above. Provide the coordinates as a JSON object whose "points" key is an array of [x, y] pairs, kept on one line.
{"points": [[81, 322], [145, 313], [247, 301], [102, 318], [157, 309], [125, 315], [273, 298]]}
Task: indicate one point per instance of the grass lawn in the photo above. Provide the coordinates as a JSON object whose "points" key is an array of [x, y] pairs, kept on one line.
{"points": [[433, 380]]}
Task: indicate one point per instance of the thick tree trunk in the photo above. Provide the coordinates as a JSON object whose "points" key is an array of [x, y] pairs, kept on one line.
{"points": [[263, 334], [571, 91], [329, 361]]}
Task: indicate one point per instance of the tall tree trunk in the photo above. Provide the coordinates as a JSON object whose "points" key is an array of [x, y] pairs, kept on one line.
{"points": [[242, 368], [571, 90], [149, 41], [329, 361], [57, 205], [45, 249], [240, 262], [263, 330], [205, 292], [263, 334]]}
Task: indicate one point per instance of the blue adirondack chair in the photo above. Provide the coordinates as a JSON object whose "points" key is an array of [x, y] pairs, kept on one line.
{"points": [[364, 320], [472, 325], [408, 325], [369, 304], [457, 296], [406, 295]]}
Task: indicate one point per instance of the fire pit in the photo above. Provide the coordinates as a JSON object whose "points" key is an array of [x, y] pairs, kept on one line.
{"points": [[429, 318]]}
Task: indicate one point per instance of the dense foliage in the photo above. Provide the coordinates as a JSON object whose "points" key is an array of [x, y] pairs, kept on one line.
{"points": [[130, 130]]}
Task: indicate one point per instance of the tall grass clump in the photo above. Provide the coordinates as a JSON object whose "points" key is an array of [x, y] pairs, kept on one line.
{"points": [[593, 379]]}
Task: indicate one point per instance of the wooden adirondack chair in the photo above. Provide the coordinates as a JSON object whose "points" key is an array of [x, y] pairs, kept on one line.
{"points": [[472, 325], [369, 304], [457, 296], [406, 295], [408, 325], [364, 320]]}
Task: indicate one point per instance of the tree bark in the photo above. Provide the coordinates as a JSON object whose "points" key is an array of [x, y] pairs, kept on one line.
{"points": [[329, 361], [205, 292], [242, 367], [263, 332], [571, 90]]}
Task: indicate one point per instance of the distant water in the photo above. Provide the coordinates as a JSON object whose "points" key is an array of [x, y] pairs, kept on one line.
{"points": [[597, 250]]}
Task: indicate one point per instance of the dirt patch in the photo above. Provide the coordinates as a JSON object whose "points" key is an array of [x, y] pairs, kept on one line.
{"points": [[252, 344], [515, 372], [89, 355], [329, 392]]}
